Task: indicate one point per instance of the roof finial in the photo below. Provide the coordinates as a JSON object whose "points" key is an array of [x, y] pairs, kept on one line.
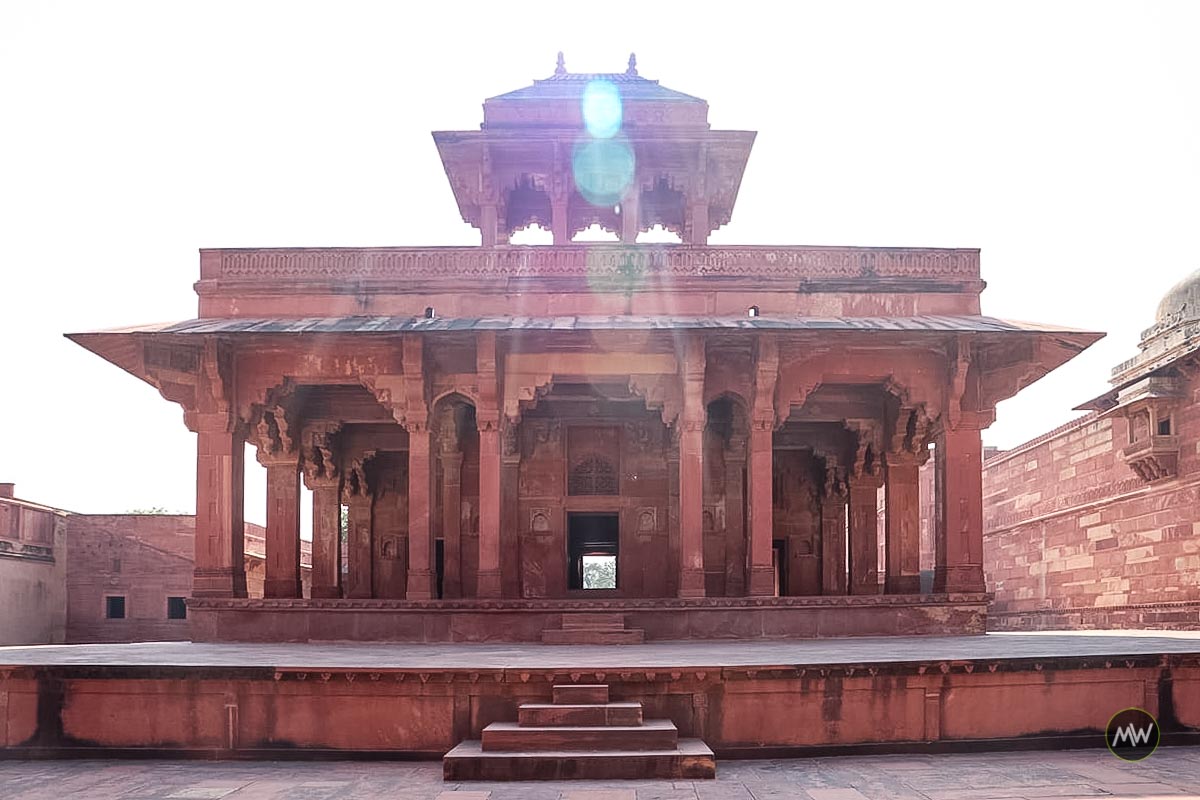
{"points": [[632, 70], [560, 67]]}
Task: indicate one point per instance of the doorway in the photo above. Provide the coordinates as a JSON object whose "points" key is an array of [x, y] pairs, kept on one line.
{"points": [[593, 541]]}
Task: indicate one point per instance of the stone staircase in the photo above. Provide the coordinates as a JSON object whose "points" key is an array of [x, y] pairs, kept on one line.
{"points": [[580, 735], [593, 628]]}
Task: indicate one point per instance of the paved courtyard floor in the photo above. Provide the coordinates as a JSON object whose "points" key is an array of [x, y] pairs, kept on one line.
{"points": [[711, 653], [1172, 772]]}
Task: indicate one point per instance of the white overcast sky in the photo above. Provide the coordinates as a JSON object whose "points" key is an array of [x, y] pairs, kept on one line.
{"points": [[1062, 138]]}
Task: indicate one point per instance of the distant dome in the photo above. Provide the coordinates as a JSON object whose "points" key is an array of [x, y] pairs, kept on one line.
{"points": [[1182, 302]]}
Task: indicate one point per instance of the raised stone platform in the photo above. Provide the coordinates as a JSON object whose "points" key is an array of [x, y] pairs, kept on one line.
{"points": [[306, 620], [743, 698]]}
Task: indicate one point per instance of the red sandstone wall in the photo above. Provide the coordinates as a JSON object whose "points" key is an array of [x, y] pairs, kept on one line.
{"points": [[33, 597], [1073, 538], [145, 558]]}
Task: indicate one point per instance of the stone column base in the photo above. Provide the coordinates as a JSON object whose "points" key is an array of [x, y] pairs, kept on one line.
{"points": [[420, 585], [961, 578], [691, 583], [902, 584], [284, 588], [488, 583], [762, 582], [218, 582]]}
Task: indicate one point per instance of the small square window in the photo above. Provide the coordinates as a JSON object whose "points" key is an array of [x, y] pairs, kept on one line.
{"points": [[114, 607], [1164, 427], [176, 608]]}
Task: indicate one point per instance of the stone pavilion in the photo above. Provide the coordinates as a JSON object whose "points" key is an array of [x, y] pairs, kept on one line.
{"points": [[590, 441]]}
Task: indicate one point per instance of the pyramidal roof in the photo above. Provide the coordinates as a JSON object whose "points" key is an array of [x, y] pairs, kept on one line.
{"points": [[563, 85]]}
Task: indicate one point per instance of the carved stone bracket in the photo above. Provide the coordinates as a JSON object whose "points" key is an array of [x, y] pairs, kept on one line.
{"points": [[318, 460], [661, 393], [355, 486], [274, 430]]}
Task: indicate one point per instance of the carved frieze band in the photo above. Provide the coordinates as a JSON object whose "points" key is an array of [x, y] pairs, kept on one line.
{"points": [[471, 263]]}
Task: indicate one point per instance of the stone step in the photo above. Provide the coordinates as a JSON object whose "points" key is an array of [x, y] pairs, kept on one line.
{"points": [[691, 759], [580, 694], [653, 734], [614, 621], [586, 715], [593, 636]]}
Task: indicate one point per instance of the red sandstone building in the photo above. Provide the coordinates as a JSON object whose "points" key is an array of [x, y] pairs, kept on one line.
{"points": [[71, 578], [688, 438], [1094, 524]]}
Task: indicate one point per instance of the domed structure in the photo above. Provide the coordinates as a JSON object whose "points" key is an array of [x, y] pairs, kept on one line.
{"points": [[1181, 303]]}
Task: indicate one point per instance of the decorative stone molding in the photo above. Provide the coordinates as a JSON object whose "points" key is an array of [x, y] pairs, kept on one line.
{"points": [[560, 605], [579, 261]]}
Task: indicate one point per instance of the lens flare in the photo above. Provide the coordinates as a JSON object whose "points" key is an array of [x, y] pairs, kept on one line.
{"points": [[602, 109], [603, 170]]}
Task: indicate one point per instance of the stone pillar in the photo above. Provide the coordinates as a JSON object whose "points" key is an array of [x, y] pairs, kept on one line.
{"points": [[487, 418], [283, 526], [736, 557], [864, 532], [488, 224], [959, 464], [360, 549], [833, 543], [902, 511], [675, 560], [691, 471], [560, 225], [699, 216], [630, 214], [421, 574], [761, 467], [451, 461], [510, 510], [326, 537], [220, 565], [489, 510]]}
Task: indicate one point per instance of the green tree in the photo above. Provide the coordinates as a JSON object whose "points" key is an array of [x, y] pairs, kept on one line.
{"points": [[600, 572]]}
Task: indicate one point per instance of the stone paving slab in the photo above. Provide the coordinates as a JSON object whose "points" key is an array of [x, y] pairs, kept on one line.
{"points": [[1172, 772], [791, 652]]}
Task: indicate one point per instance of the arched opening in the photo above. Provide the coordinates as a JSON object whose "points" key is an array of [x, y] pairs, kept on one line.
{"points": [[532, 234], [595, 233], [596, 481], [657, 234], [527, 204]]}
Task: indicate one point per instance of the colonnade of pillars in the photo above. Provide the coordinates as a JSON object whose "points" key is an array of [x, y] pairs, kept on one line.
{"points": [[219, 568]]}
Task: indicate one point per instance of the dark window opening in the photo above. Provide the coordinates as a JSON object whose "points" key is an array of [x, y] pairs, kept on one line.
{"points": [[592, 544], [593, 475], [114, 608], [429, 314], [1164, 427], [779, 566], [176, 608]]}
